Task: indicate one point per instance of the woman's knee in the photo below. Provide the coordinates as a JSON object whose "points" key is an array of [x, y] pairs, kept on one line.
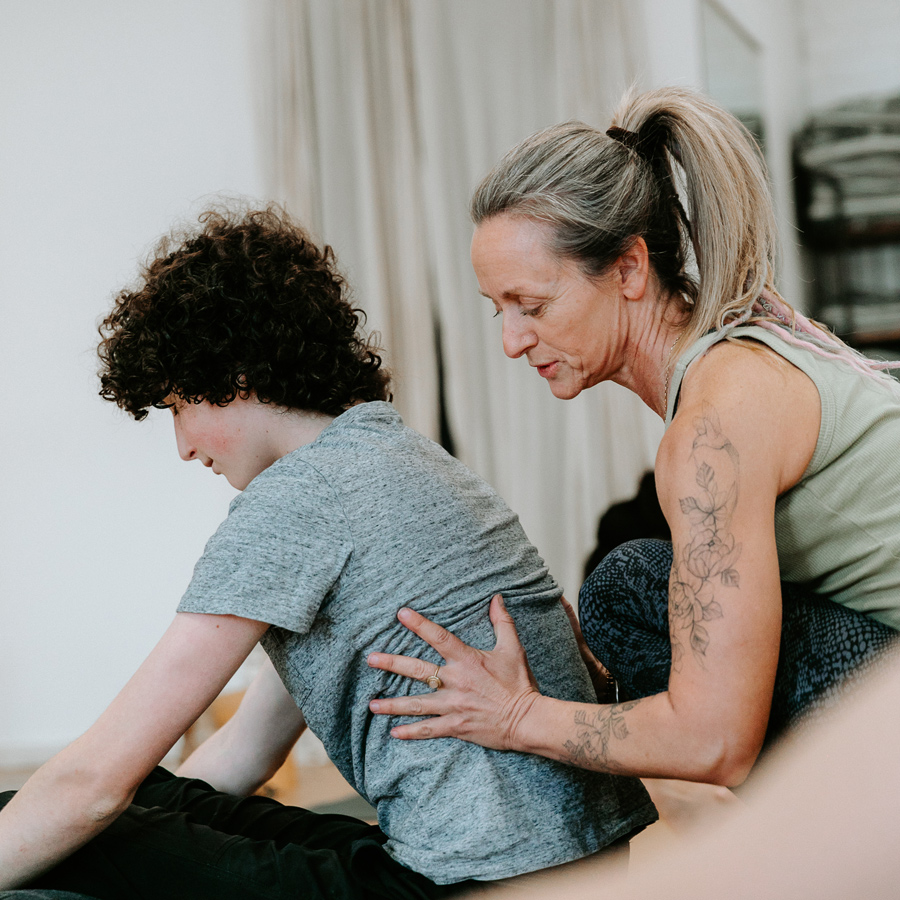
{"points": [[626, 595], [623, 608], [632, 572]]}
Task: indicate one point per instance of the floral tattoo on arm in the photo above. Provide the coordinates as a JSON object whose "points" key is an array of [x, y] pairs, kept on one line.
{"points": [[596, 728], [700, 568], [707, 562]]}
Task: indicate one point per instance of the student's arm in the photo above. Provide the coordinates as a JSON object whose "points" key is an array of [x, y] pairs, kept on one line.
{"points": [[731, 451], [251, 746], [84, 788]]}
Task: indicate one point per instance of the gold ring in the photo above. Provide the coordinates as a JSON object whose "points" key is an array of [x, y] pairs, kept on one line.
{"points": [[434, 681]]}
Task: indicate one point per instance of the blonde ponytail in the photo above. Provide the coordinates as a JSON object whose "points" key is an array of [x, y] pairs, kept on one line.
{"points": [[729, 206]]}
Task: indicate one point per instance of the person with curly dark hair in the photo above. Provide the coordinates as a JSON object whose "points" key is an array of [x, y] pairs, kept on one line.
{"points": [[245, 304], [244, 331]]}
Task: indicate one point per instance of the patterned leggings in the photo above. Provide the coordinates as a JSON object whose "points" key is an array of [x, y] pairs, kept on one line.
{"points": [[623, 607]]}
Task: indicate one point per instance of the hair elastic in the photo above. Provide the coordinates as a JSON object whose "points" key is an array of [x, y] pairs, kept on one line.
{"points": [[630, 139]]}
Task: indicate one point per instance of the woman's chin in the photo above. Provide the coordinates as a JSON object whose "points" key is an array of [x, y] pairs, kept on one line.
{"points": [[564, 390]]}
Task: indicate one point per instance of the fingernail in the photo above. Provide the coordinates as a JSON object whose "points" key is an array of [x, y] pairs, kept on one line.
{"points": [[393, 732], [404, 612], [374, 705], [372, 659]]}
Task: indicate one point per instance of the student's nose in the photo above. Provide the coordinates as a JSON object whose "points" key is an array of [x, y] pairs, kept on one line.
{"points": [[518, 334], [186, 450]]}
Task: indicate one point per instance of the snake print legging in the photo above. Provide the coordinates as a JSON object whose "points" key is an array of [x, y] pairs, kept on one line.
{"points": [[623, 607]]}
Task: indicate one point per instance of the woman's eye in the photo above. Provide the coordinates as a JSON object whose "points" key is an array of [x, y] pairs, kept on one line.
{"points": [[532, 310]]}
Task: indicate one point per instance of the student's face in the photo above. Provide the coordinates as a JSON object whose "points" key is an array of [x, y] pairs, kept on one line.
{"points": [[231, 439]]}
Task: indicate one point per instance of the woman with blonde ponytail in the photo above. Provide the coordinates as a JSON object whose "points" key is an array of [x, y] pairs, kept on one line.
{"points": [[644, 255]]}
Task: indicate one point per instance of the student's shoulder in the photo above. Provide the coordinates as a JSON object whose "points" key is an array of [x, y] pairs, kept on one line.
{"points": [[289, 481]]}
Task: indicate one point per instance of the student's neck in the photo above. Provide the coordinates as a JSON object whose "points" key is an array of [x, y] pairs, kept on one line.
{"points": [[291, 429]]}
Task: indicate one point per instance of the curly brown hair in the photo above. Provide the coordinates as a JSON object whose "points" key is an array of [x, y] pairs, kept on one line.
{"points": [[246, 303]]}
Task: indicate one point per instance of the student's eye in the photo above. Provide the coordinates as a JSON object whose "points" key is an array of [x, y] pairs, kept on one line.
{"points": [[532, 310]]}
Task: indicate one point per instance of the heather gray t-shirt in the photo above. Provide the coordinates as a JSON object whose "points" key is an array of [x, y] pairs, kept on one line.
{"points": [[326, 545]]}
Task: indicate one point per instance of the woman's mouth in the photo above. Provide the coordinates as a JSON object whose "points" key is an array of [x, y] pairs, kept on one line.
{"points": [[547, 370]]}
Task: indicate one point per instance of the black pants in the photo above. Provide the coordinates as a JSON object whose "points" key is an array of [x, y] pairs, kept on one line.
{"points": [[41, 895], [183, 840], [623, 608]]}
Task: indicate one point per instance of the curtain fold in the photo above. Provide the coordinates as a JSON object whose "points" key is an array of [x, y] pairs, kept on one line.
{"points": [[378, 120], [341, 149]]}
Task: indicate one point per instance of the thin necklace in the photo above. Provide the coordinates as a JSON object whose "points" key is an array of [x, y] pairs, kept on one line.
{"points": [[666, 388]]}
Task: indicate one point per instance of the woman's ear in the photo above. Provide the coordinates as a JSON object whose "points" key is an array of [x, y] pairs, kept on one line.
{"points": [[633, 270]]}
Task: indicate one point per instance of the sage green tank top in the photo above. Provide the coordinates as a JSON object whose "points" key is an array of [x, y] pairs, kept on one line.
{"points": [[838, 529]]}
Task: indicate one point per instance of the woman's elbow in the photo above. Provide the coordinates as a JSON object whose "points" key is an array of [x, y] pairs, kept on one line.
{"points": [[731, 772], [728, 761]]}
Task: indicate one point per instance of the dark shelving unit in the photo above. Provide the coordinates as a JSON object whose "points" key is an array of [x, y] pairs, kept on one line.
{"points": [[847, 168]]}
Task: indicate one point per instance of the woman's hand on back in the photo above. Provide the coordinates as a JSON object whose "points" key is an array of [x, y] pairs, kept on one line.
{"points": [[485, 695]]}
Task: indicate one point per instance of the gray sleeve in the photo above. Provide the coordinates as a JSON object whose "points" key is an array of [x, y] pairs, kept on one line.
{"points": [[277, 555]]}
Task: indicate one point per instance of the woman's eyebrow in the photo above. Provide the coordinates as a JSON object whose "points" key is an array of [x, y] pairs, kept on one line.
{"points": [[504, 295]]}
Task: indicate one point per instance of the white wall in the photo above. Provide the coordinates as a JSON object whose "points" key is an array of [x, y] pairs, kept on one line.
{"points": [[116, 118], [850, 49]]}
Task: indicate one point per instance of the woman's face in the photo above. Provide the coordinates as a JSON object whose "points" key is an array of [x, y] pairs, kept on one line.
{"points": [[562, 321]]}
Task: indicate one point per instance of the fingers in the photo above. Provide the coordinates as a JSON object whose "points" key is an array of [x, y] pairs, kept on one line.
{"points": [[443, 726], [407, 666], [572, 615], [415, 705], [504, 626], [447, 644]]}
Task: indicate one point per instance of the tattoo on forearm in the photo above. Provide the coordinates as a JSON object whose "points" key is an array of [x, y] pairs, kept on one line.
{"points": [[707, 562], [596, 728]]}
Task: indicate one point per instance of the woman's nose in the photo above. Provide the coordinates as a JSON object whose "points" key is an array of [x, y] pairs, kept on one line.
{"points": [[518, 335]]}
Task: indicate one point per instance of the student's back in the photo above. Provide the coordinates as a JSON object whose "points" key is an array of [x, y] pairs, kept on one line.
{"points": [[327, 544]]}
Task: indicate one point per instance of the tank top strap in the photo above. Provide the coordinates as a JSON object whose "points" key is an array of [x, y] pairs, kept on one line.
{"points": [[688, 355]]}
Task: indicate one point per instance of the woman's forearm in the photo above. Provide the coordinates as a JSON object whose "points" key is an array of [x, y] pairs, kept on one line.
{"points": [[644, 737], [709, 726]]}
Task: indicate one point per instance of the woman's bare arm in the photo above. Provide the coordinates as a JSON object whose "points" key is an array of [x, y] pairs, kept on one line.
{"points": [[251, 746], [722, 464], [820, 822], [87, 786]]}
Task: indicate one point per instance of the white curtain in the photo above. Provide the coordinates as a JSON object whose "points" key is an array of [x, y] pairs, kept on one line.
{"points": [[378, 118]]}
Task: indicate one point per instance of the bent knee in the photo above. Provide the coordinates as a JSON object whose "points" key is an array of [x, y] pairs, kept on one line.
{"points": [[632, 567]]}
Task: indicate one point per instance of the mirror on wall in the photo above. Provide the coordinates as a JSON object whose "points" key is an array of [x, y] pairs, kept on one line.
{"points": [[732, 66]]}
